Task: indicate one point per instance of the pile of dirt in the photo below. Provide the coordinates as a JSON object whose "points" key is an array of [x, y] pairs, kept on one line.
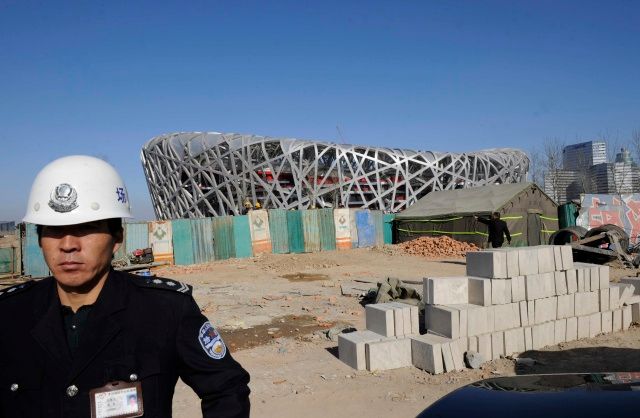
{"points": [[437, 247]]}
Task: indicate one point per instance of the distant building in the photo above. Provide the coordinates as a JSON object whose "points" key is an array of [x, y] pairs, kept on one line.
{"points": [[586, 170], [578, 156]]}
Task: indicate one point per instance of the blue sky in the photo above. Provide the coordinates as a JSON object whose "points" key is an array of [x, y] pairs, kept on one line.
{"points": [[102, 78]]}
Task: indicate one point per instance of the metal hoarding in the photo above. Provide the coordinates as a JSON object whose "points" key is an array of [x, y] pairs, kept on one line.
{"points": [[279, 231]]}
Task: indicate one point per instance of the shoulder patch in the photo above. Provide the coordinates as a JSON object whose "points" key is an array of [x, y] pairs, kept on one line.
{"points": [[14, 290], [163, 284]]}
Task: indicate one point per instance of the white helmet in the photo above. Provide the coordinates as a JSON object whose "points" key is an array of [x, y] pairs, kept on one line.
{"points": [[77, 189]]}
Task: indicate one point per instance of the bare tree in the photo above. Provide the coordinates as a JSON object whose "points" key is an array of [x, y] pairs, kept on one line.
{"points": [[619, 173], [536, 170], [552, 163]]}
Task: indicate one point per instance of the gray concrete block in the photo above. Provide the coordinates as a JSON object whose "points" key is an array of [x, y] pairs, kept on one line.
{"points": [[351, 347], [527, 261], [398, 321], [478, 320], [506, 316], [528, 338], [603, 273], [543, 335], [512, 260], [604, 299], [614, 298], [560, 282], [388, 354], [595, 278], [534, 286], [625, 290], [566, 306], [546, 310], [484, 345], [587, 303], [567, 257], [480, 291], [635, 313], [524, 313], [560, 331], [446, 290], [518, 289], [572, 329], [580, 279], [492, 264], [607, 322], [583, 326], [627, 317], [447, 358], [379, 319], [500, 291], [443, 320], [531, 312], [546, 260], [572, 281], [595, 324], [458, 355], [402, 313], [514, 341], [549, 284], [557, 255], [633, 300], [415, 320], [472, 343], [617, 320], [497, 345], [635, 281], [426, 352]]}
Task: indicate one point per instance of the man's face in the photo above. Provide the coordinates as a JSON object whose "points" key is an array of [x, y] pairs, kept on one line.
{"points": [[78, 254]]}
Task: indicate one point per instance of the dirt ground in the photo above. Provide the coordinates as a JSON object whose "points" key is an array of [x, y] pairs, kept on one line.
{"points": [[273, 311]]}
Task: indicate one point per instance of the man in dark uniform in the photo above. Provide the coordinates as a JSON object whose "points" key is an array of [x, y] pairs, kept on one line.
{"points": [[90, 341], [497, 229]]}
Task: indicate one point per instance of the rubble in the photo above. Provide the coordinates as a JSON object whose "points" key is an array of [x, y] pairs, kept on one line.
{"points": [[437, 247]]}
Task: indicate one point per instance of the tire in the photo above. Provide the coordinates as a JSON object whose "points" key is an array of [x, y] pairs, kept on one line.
{"points": [[568, 234]]}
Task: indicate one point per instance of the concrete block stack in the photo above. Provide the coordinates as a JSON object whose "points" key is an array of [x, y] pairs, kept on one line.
{"points": [[512, 300]]}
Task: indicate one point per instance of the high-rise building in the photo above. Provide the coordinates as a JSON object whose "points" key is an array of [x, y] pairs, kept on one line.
{"points": [[577, 157]]}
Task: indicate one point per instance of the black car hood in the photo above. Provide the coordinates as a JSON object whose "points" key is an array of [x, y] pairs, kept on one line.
{"points": [[547, 396]]}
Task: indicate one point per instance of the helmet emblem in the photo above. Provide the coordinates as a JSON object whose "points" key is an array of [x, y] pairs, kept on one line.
{"points": [[63, 198]]}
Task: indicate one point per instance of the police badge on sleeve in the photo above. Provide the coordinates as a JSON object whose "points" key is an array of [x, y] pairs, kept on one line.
{"points": [[211, 341]]}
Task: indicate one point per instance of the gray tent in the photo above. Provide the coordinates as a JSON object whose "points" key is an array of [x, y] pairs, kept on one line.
{"points": [[530, 214]]}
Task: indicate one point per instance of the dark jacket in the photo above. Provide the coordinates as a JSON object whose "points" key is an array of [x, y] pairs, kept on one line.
{"points": [[497, 230], [136, 327]]}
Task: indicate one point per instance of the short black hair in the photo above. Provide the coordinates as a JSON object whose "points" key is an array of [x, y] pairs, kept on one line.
{"points": [[114, 225], [496, 214]]}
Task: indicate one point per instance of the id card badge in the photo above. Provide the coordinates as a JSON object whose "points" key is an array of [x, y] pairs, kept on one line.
{"points": [[117, 400]]}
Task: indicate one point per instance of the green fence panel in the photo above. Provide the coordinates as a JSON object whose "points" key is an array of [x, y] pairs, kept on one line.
{"points": [[295, 231], [327, 229], [279, 231], [136, 236], [242, 236], [311, 229], [223, 237], [202, 234], [6, 261], [34, 264], [182, 242], [388, 227]]}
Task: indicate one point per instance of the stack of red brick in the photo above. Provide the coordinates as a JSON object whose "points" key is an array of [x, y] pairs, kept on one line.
{"points": [[437, 247]]}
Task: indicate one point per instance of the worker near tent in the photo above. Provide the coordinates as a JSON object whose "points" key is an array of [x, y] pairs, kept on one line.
{"points": [[93, 342], [497, 229]]}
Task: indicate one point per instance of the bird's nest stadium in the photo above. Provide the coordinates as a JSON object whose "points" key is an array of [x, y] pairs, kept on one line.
{"points": [[198, 174]]}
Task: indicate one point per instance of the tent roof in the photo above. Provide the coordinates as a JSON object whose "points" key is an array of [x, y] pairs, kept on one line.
{"points": [[483, 199]]}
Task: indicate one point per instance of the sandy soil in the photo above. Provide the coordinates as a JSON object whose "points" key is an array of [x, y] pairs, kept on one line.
{"points": [[272, 311]]}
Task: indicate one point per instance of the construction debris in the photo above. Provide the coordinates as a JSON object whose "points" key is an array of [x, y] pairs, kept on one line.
{"points": [[437, 247]]}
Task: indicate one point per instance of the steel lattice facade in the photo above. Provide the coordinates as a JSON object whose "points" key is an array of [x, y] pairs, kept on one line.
{"points": [[210, 174]]}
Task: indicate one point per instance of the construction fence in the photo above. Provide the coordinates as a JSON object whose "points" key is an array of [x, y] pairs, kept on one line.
{"points": [[278, 231]]}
